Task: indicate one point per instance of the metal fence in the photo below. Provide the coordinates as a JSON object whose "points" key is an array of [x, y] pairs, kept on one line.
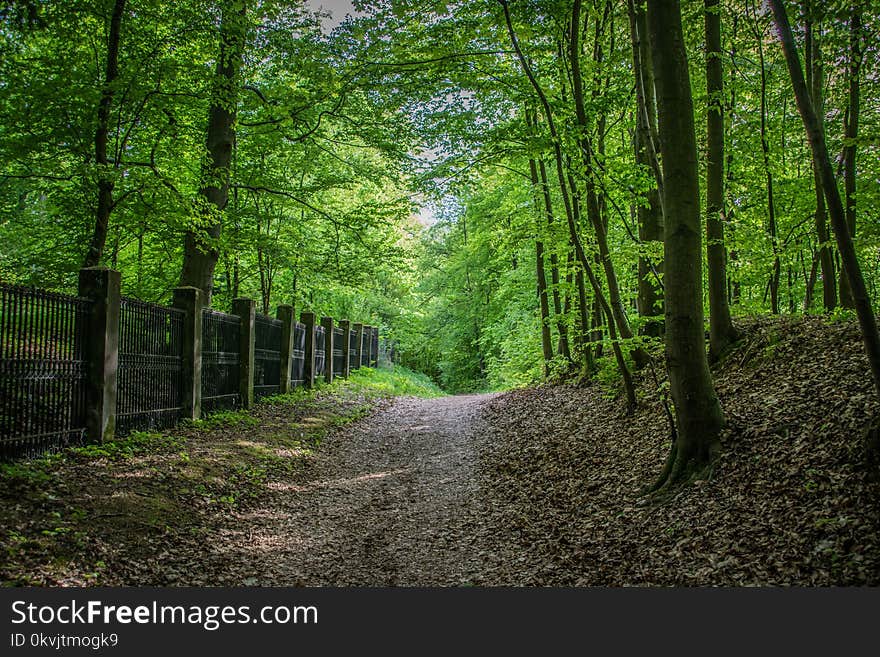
{"points": [[150, 370], [338, 354], [47, 363], [220, 360], [374, 348], [353, 350], [42, 370], [267, 355], [298, 358], [320, 351]]}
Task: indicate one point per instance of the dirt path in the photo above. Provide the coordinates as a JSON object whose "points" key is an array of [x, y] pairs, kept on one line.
{"points": [[394, 501]]}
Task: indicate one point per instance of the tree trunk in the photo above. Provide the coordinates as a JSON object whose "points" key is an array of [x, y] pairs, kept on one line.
{"points": [[698, 413], [593, 211], [584, 335], [722, 333], [772, 230], [572, 227], [546, 344], [200, 249], [851, 133], [650, 217], [867, 320], [105, 180], [815, 84], [554, 260]]}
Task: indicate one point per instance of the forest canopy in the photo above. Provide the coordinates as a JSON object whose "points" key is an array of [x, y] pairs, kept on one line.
{"points": [[489, 182]]}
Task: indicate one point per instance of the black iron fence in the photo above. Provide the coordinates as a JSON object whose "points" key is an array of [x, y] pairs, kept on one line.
{"points": [[353, 351], [298, 358], [150, 366], [267, 355], [77, 368], [338, 353], [320, 351], [42, 370], [220, 360]]}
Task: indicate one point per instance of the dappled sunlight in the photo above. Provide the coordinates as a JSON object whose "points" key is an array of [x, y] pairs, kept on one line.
{"points": [[346, 482]]}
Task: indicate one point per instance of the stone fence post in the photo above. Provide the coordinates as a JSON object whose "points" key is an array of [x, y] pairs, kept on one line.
{"points": [[191, 301], [101, 342]]}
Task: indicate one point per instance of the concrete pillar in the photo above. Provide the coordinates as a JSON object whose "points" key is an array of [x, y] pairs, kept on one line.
{"points": [[288, 326], [308, 319], [345, 325], [327, 323], [101, 342], [359, 341], [191, 301], [245, 309]]}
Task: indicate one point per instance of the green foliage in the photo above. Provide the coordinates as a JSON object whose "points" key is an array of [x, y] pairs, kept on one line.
{"points": [[342, 138], [389, 382]]}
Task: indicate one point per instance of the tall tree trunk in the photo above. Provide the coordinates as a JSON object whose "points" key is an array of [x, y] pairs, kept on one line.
{"points": [[554, 260], [862, 302], [584, 335], [105, 179], [593, 210], [650, 216], [541, 277], [572, 227], [815, 84], [698, 413], [722, 333], [200, 248], [851, 133], [772, 229]]}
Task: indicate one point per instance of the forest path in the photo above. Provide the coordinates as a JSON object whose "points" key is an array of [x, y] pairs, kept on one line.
{"points": [[394, 500]]}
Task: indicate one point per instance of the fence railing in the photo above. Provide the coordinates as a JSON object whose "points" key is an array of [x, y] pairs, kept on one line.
{"points": [[150, 366], [43, 370], [88, 367], [267, 355], [220, 360]]}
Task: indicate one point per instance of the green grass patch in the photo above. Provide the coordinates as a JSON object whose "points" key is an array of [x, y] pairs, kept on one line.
{"points": [[396, 381]]}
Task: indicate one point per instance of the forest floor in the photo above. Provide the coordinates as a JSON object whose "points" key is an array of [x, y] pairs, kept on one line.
{"points": [[533, 487]]}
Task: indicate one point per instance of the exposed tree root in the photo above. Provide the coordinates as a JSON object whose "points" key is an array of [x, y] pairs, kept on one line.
{"points": [[678, 472]]}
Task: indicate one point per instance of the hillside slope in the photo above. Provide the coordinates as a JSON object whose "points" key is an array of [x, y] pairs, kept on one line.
{"points": [[793, 499]]}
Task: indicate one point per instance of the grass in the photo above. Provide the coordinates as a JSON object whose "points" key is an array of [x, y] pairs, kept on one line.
{"points": [[397, 381]]}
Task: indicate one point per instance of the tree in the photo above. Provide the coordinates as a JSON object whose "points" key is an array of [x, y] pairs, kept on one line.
{"points": [[698, 414], [813, 127], [722, 333], [200, 251]]}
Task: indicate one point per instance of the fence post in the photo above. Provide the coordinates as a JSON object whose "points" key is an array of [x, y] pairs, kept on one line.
{"points": [[245, 309], [374, 347], [368, 346], [359, 341], [101, 343], [285, 314], [191, 301], [308, 319], [327, 323], [345, 325]]}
